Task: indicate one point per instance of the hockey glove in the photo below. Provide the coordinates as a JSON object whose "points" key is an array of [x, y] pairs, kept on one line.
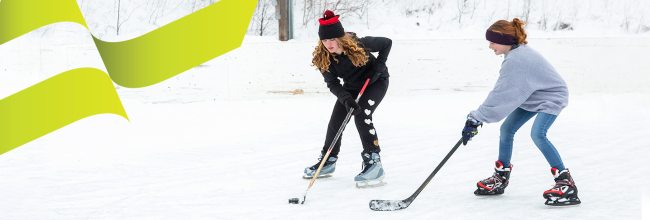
{"points": [[374, 78], [470, 129], [351, 103], [380, 68]]}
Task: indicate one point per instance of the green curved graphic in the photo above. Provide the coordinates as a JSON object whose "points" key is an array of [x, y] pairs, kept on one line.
{"points": [[55, 103], [140, 62], [18, 17], [150, 58]]}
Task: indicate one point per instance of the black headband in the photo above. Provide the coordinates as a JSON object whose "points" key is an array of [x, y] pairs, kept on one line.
{"points": [[499, 38]]}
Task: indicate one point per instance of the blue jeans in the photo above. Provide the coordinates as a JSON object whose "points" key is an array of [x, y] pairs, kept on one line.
{"points": [[542, 122]]}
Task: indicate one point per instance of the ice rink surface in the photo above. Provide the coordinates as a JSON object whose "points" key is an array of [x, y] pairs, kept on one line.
{"points": [[244, 160], [229, 139]]}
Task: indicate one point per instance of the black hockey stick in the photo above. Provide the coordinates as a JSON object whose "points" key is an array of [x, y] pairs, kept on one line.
{"points": [[392, 205]]}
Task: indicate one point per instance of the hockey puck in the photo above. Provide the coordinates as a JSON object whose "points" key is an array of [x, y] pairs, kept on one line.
{"points": [[293, 200]]}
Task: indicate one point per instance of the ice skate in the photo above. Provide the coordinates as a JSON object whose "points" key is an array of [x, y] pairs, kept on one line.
{"points": [[497, 183], [372, 174], [326, 171], [564, 192]]}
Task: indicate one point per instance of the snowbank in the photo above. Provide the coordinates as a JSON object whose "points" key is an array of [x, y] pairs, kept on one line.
{"points": [[262, 69]]}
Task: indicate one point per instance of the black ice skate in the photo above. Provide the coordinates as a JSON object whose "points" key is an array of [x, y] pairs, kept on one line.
{"points": [[564, 192], [497, 183]]}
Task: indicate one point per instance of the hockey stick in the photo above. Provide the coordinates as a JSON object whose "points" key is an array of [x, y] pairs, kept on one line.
{"points": [[336, 138], [392, 205]]}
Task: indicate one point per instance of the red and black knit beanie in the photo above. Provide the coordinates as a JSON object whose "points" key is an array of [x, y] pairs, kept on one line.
{"points": [[330, 26]]}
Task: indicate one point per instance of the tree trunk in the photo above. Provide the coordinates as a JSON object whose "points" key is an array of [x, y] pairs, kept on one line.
{"points": [[118, 18], [283, 22]]}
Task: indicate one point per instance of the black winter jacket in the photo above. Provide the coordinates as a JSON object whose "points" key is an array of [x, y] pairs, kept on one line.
{"points": [[354, 77]]}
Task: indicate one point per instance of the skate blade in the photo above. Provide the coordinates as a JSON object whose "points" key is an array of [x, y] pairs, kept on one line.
{"points": [[366, 184], [319, 176], [371, 183], [562, 202], [487, 195], [563, 205], [480, 192]]}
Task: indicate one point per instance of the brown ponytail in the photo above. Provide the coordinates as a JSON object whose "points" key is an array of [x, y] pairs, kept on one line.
{"points": [[520, 33], [514, 28]]}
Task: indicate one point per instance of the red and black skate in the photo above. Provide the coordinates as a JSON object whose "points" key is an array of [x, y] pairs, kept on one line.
{"points": [[497, 183], [564, 192]]}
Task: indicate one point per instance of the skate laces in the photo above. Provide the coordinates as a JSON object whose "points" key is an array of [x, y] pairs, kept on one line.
{"points": [[365, 167], [320, 159], [564, 179], [494, 178], [560, 183]]}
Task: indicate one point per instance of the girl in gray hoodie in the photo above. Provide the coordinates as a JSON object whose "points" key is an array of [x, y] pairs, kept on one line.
{"points": [[527, 86]]}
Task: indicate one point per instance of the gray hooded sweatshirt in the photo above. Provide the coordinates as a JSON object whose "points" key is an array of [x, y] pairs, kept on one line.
{"points": [[527, 81]]}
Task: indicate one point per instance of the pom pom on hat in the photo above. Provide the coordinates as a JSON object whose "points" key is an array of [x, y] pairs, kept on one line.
{"points": [[328, 18], [328, 14]]}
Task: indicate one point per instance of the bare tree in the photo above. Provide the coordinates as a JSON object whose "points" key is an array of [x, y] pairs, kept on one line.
{"points": [[195, 5], [307, 11], [158, 10], [365, 9], [642, 28], [120, 23], [118, 17], [433, 7], [348, 7], [475, 4], [263, 15], [407, 7], [526, 11], [462, 6], [575, 10], [628, 13], [545, 14], [559, 25], [81, 5], [357, 9]]}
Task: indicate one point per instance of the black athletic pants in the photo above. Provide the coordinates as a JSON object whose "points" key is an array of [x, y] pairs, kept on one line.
{"points": [[369, 101]]}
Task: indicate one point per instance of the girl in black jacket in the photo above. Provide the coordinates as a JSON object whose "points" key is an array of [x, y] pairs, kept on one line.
{"points": [[343, 55]]}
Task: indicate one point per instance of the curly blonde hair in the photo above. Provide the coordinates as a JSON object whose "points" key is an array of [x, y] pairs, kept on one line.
{"points": [[350, 47]]}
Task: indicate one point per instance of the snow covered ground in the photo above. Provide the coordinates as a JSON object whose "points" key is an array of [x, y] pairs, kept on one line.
{"points": [[244, 159], [212, 144], [216, 142], [189, 153]]}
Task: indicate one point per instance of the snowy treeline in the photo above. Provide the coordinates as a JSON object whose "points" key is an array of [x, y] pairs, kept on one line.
{"points": [[627, 16], [108, 19], [117, 20]]}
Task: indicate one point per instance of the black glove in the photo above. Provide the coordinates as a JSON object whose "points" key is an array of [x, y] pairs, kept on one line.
{"points": [[379, 68], [351, 103], [373, 79], [470, 129]]}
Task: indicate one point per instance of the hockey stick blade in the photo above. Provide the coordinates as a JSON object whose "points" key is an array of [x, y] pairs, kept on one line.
{"points": [[392, 205], [389, 205]]}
